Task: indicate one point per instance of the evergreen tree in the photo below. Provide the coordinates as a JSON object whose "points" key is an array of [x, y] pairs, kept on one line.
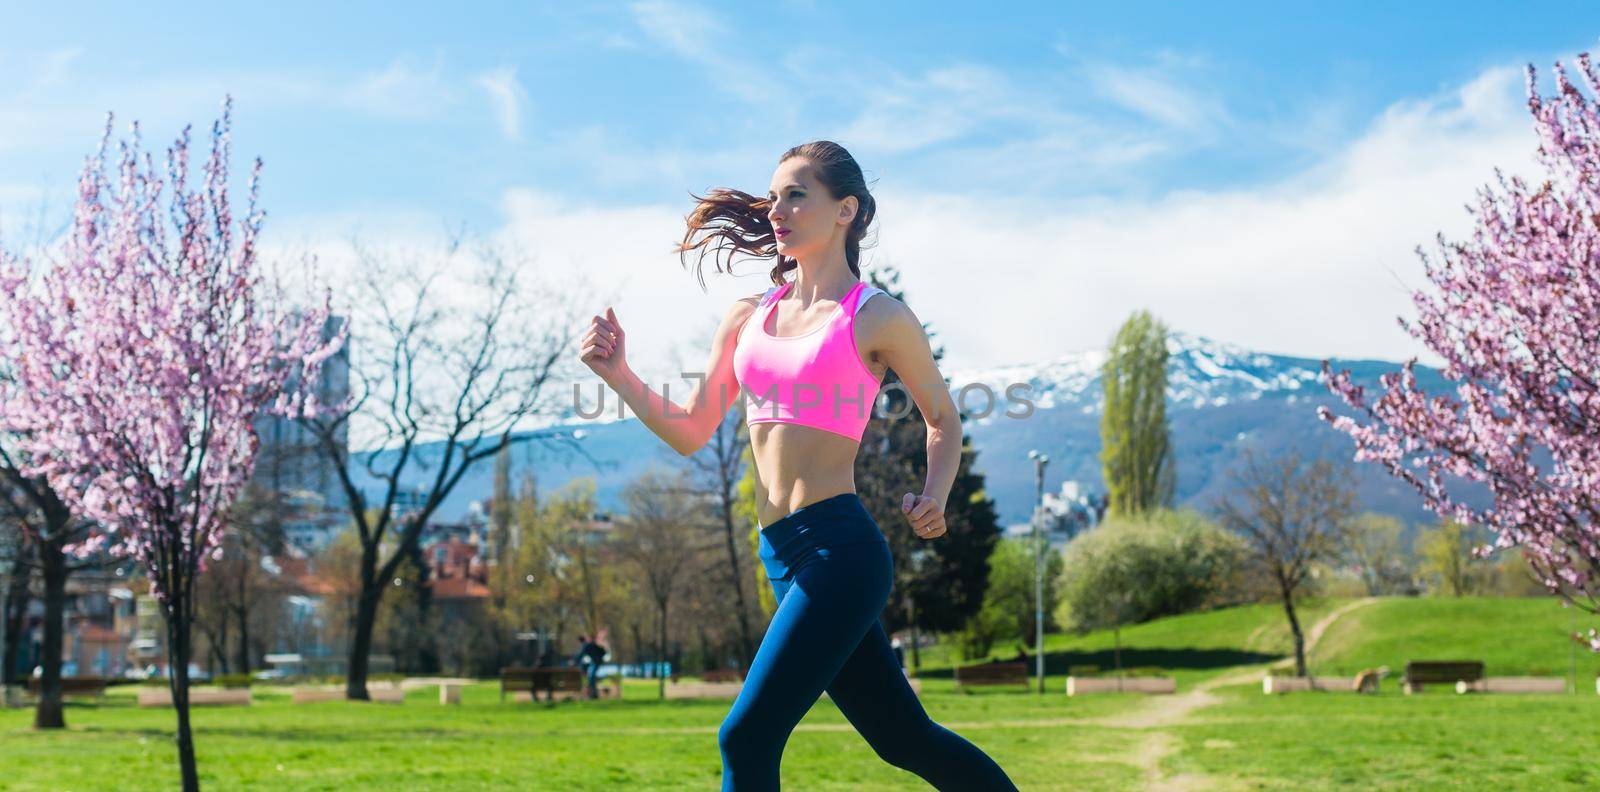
{"points": [[939, 584], [1135, 445]]}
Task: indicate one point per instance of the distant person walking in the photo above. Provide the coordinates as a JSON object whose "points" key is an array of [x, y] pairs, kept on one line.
{"points": [[589, 657], [807, 358]]}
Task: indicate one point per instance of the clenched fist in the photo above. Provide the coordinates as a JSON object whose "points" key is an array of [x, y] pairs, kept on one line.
{"points": [[602, 348], [925, 513]]}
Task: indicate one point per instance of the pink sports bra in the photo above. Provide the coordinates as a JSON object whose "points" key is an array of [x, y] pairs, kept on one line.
{"points": [[816, 378]]}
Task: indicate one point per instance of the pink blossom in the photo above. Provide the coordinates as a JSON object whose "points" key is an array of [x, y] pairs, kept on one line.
{"points": [[144, 349], [1514, 312]]}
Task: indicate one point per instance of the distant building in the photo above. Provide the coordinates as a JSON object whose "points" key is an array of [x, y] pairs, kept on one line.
{"points": [[1065, 514], [310, 500]]}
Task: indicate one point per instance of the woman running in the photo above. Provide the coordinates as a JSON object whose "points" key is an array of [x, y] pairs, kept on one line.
{"points": [[806, 359]]}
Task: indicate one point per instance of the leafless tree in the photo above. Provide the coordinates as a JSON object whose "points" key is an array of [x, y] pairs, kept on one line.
{"points": [[235, 590], [1293, 514], [51, 527], [441, 377], [720, 467], [663, 537]]}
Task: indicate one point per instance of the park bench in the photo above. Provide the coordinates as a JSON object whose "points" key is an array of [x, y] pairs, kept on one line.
{"points": [[1514, 684], [1449, 672], [153, 696], [1283, 683], [992, 674], [74, 686], [549, 679], [376, 693]]}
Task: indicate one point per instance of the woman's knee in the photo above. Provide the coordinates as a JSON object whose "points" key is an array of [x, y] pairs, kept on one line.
{"points": [[739, 738], [907, 745]]}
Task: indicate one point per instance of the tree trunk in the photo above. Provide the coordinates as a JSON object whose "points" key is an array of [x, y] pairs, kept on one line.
{"points": [[1116, 637], [591, 611], [1294, 627], [746, 642], [53, 565], [17, 600], [361, 643], [661, 654], [916, 652], [242, 660], [177, 617]]}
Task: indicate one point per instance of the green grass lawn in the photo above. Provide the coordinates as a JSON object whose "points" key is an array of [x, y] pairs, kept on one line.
{"points": [[1436, 740], [1190, 647], [1511, 636], [633, 743], [1337, 741]]}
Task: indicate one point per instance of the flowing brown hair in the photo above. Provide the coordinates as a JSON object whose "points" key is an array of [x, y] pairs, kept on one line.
{"points": [[734, 221]]}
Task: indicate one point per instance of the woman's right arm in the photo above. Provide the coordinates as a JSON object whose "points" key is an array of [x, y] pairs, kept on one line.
{"points": [[685, 429]]}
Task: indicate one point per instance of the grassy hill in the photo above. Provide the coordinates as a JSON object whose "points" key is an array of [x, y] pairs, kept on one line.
{"points": [[1511, 635], [1190, 646]]}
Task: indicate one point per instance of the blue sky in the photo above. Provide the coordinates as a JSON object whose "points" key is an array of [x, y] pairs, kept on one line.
{"points": [[1255, 172]]}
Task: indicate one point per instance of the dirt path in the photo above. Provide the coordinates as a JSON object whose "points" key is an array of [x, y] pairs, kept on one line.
{"points": [[1159, 712], [1152, 716]]}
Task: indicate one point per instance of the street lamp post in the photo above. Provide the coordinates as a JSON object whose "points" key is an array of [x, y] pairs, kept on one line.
{"points": [[8, 563], [1039, 461]]}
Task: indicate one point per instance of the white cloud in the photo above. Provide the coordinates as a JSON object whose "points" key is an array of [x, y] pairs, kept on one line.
{"points": [[949, 103], [683, 29], [700, 37], [403, 90], [1316, 263], [1025, 131], [39, 72], [509, 99], [1156, 95]]}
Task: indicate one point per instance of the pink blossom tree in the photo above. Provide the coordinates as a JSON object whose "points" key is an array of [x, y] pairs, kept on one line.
{"points": [[140, 357], [1514, 313]]}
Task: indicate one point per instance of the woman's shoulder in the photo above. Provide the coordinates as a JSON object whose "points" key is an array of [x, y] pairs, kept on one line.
{"points": [[878, 310], [741, 309]]}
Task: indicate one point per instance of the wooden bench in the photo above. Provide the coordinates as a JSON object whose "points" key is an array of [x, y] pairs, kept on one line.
{"points": [[1449, 672], [74, 686], [722, 675], [698, 690], [992, 674], [198, 697], [1078, 686], [550, 679], [1272, 684], [1514, 684], [376, 693]]}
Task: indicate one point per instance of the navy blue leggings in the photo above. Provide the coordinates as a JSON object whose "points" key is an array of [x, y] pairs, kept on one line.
{"points": [[831, 571]]}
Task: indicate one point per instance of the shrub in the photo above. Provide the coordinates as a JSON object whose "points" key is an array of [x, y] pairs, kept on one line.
{"points": [[1007, 613], [1131, 570]]}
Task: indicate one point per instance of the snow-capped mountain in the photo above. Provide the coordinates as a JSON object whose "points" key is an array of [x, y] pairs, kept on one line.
{"points": [[1221, 399]]}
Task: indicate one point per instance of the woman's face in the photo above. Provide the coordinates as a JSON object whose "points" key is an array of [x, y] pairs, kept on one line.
{"points": [[804, 217]]}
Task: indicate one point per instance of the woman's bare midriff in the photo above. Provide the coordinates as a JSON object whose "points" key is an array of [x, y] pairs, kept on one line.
{"points": [[797, 465]]}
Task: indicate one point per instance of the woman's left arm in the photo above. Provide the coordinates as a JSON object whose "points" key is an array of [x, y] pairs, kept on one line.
{"points": [[903, 346]]}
